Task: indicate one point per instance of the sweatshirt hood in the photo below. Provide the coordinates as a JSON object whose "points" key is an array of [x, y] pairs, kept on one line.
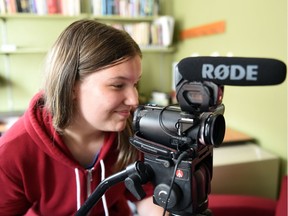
{"points": [[39, 125]]}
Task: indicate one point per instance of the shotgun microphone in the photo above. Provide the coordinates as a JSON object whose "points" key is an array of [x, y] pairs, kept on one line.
{"points": [[235, 71]]}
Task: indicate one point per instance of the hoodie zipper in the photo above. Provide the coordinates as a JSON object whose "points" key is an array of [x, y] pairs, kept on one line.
{"points": [[89, 186], [89, 181]]}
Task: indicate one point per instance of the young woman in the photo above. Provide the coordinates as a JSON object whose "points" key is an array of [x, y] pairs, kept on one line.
{"points": [[75, 131]]}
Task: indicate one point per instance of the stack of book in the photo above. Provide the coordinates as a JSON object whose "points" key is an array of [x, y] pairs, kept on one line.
{"points": [[126, 8], [41, 7], [158, 33]]}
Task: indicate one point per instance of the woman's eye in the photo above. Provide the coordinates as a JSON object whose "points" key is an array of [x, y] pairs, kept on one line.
{"points": [[118, 86]]}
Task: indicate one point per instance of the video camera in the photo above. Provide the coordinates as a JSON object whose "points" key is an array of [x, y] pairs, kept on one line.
{"points": [[178, 140], [190, 129]]}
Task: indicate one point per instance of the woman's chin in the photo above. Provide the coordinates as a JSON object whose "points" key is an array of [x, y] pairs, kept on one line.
{"points": [[120, 127]]}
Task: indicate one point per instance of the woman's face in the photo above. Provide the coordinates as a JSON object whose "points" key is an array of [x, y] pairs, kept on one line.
{"points": [[105, 98]]}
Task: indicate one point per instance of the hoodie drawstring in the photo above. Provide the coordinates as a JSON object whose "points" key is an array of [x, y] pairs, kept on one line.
{"points": [[104, 197], [78, 189]]}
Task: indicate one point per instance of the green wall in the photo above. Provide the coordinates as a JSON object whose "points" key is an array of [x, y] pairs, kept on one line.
{"points": [[253, 29], [33, 37]]}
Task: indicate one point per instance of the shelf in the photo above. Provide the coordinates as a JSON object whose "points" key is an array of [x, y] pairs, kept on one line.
{"points": [[26, 38], [115, 18], [233, 136], [111, 19], [124, 19], [161, 49], [36, 16], [146, 49], [24, 51]]}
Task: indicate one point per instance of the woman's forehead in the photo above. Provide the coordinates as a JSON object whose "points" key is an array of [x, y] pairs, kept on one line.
{"points": [[126, 70]]}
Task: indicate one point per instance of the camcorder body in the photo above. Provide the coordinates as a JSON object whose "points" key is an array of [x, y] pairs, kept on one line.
{"points": [[178, 140], [188, 130]]}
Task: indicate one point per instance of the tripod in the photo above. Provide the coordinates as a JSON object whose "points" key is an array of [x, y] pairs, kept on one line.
{"points": [[187, 194]]}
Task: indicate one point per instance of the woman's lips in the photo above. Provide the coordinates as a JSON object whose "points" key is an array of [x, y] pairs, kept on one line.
{"points": [[125, 113]]}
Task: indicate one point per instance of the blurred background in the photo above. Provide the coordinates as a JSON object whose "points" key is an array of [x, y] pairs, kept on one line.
{"points": [[245, 28]]}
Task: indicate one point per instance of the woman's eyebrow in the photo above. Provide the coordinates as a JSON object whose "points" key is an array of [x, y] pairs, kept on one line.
{"points": [[124, 78]]}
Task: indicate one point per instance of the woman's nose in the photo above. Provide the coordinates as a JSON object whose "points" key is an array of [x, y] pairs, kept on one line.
{"points": [[132, 97]]}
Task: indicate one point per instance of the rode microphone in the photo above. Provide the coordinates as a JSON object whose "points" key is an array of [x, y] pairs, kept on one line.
{"points": [[236, 71]]}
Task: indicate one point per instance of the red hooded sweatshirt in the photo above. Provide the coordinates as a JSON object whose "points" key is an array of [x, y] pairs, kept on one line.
{"points": [[39, 176]]}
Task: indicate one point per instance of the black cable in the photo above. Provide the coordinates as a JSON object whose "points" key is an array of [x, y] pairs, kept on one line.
{"points": [[99, 191], [180, 158], [169, 132], [138, 168], [164, 129]]}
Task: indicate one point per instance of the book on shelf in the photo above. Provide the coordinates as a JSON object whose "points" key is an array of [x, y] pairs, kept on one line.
{"points": [[126, 8], [22, 6], [41, 7], [164, 26], [70, 8], [53, 7], [7, 6], [151, 34]]}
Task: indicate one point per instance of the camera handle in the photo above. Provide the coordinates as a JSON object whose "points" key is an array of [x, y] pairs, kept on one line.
{"points": [[133, 176]]}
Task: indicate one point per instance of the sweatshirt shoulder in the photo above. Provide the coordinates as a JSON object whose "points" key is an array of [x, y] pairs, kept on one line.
{"points": [[15, 140]]}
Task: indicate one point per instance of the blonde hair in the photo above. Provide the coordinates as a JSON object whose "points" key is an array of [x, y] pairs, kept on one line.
{"points": [[84, 47]]}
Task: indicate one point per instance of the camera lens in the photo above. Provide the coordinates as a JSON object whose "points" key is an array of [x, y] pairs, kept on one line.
{"points": [[214, 129]]}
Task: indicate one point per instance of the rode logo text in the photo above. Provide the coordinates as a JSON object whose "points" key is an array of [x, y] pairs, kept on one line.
{"points": [[232, 72]]}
